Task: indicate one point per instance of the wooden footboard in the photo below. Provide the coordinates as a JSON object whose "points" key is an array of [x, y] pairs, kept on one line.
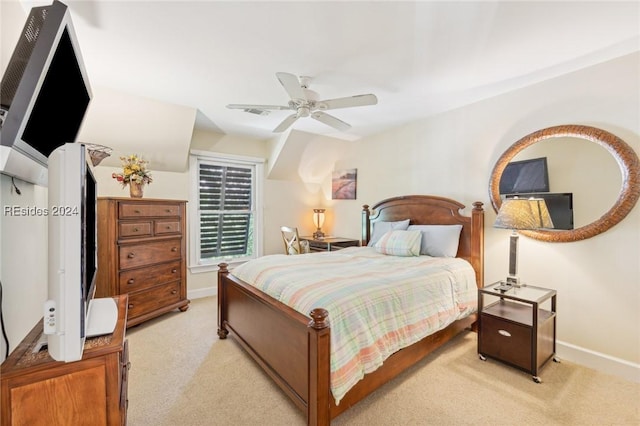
{"points": [[294, 349], [291, 348]]}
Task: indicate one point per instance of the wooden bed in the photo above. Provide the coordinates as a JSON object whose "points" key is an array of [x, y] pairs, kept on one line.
{"points": [[294, 349]]}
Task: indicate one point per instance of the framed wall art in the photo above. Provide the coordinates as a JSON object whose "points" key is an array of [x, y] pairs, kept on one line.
{"points": [[343, 184]]}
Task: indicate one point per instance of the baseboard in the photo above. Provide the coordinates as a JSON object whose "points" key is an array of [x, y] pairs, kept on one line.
{"points": [[598, 361], [202, 292]]}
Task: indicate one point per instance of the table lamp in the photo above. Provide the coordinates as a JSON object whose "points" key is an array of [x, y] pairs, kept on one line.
{"points": [[521, 214], [318, 220]]}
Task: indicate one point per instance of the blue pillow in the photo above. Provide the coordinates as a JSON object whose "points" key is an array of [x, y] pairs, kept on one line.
{"points": [[439, 240]]}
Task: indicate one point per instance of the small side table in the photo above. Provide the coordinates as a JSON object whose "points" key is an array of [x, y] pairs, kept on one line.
{"points": [[330, 243], [515, 329]]}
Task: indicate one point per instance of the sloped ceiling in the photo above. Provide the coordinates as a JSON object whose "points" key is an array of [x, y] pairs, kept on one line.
{"points": [[419, 57]]}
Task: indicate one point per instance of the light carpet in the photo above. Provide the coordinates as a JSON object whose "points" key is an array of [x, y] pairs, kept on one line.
{"points": [[182, 374]]}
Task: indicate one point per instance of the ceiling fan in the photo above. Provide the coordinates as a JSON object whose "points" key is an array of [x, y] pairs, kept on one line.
{"points": [[306, 103]]}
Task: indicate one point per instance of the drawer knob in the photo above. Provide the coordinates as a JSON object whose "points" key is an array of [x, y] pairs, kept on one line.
{"points": [[135, 229], [168, 210], [174, 248], [168, 227], [173, 271], [174, 291], [504, 333], [136, 211], [131, 281], [131, 255], [130, 305]]}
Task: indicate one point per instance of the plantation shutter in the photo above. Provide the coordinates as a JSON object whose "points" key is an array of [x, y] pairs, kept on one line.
{"points": [[226, 210]]}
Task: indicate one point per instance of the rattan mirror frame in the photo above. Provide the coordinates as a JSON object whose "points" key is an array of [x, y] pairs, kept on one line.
{"points": [[624, 155]]}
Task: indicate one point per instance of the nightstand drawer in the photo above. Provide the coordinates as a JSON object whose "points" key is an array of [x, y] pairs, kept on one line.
{"points": [[505, 340]]}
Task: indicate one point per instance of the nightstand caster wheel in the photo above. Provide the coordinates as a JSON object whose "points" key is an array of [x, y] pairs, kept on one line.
{"points": [[482, 357], [537, 379]]}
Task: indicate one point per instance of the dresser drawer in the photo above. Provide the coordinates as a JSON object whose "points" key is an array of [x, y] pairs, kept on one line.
{"points": [[141, 278], [132, 255], [157, 297], [131, 210], [134, 229], [162, 227], [506, 340]]}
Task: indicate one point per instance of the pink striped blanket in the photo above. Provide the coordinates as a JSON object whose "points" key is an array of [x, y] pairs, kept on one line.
{"points": [[377, 304]]}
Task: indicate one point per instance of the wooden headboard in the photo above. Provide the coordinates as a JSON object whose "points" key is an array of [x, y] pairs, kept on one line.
{"points": [[432, 210]]}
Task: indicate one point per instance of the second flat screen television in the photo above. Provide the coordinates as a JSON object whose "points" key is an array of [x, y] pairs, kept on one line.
{"points": [[525, 176]]}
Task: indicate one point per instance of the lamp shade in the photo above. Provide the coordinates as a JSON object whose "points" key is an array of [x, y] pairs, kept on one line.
{"points": [[523, 213]]}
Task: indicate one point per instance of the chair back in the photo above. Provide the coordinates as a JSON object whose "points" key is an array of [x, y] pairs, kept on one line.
{"points": [[292, 243]]}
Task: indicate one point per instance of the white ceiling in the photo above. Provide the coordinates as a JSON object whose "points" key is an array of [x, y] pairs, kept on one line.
{"points": [[419, 57]]}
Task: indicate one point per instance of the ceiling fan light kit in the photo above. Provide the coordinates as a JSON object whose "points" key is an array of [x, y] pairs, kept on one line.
{"points": [[305, 103]]}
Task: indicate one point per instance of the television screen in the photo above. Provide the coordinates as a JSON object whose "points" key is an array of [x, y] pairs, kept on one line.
{"points": [[525, 176], [44, 94], [560, 206]]}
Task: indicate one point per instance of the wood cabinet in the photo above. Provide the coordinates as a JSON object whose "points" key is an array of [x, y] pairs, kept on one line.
{"points": [[142, 253], [515, 329], [37, 390]]}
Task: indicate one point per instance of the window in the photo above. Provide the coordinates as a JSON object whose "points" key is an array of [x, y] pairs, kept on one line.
{"points": [[225, 209]]}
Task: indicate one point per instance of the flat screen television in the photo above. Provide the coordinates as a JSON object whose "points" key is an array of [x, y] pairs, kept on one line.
{"points": [[560, 206], [525, 176], [71, 314], [44, 94]]}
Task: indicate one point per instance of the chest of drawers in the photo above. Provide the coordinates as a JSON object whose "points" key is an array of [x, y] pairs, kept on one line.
{"points": [[142, 253]]}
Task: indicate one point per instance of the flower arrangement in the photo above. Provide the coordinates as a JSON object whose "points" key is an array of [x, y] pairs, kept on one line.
{"points": [[134, 170]]}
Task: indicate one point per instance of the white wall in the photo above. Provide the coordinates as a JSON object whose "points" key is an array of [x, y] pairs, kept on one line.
{"points": [[23, 264], [453, 154]]}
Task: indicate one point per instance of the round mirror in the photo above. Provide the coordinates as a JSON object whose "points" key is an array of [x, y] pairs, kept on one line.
{"points": [[591, 179]]}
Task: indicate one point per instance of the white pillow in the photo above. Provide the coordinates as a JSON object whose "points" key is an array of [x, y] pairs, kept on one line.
{"points": [[439, 240], [400, 243], [381, 228]]}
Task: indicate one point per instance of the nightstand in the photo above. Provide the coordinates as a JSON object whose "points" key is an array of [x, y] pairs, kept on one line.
{"points": [[330, 243], [517, 326]]}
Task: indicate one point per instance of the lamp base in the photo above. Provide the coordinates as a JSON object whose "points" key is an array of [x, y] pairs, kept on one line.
{"points": [[318, 235], [514, 281]]}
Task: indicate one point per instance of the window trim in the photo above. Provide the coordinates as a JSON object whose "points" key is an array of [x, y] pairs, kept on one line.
{"points": [[195, 156]]}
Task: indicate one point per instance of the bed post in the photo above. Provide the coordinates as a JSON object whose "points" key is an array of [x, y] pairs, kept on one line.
{"points": [[223, 271], [318, 405], [477, 239], [366, 225]]}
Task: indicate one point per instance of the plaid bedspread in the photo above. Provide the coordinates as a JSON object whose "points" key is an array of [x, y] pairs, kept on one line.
{"points": [[377, 303]]}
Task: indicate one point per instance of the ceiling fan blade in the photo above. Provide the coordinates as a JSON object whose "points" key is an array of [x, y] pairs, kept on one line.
{"points": [[349, 101], [248, 106], [286, 123], [292, 85], [331, 121]]}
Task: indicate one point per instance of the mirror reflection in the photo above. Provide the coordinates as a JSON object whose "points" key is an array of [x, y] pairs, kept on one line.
{"points": [[598, 169], [582, 176]]}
